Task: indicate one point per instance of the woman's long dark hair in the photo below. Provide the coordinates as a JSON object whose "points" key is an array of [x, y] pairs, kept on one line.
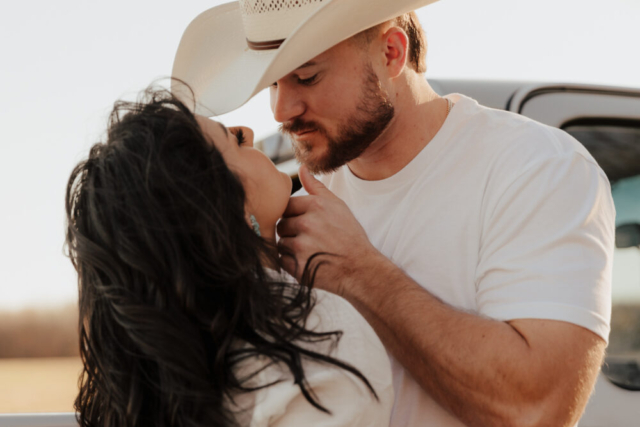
{"points": [[171, 277]]}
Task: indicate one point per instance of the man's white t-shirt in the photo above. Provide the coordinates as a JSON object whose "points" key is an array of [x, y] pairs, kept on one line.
{"points": [[498, 215]]}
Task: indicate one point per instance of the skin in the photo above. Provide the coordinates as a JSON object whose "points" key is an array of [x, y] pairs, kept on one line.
{"points": [[373, 113], [335, 93], [525, 372], [267, 189]]}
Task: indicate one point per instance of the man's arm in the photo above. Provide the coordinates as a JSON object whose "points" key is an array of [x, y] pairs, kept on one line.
{"points": [[486, 372]]}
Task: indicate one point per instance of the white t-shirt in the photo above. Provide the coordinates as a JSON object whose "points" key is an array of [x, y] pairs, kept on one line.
{"points": [[498, 215], [346, 396]]}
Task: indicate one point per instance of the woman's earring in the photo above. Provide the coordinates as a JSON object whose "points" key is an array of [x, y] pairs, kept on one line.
{"points": [[254, 224]]}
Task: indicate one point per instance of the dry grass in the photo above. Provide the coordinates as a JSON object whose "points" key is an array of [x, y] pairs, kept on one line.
{"points": [[50, 332], [37, 374], [39, 385], [39, 363]]}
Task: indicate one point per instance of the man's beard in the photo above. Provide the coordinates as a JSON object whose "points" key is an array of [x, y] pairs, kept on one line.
{"points": [[372, 116]]}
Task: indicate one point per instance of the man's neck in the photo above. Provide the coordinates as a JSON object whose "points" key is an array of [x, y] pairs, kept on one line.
{"points": [[419, 115]]}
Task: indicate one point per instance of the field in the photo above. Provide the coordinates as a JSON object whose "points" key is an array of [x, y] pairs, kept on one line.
{"points": [[38, 384], [39, 332], [39, 363]]}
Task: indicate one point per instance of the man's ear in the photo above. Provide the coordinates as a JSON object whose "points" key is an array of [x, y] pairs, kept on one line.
{"points": [[396, 49]]}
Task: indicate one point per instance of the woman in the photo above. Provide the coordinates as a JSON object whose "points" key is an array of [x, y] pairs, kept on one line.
{"points": [[185, 317]]}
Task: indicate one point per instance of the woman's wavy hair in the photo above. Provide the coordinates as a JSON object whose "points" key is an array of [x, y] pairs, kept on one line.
{"points": [[171, 277]]}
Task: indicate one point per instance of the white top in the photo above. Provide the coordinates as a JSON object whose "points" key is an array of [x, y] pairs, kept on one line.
{"points": [[498, 215], [341, 392]]}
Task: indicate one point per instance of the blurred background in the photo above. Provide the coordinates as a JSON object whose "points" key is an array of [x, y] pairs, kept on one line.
{"points": [[64, 63]]}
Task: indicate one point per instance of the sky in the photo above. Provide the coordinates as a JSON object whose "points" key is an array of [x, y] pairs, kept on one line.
{"points": [[64, 63]]}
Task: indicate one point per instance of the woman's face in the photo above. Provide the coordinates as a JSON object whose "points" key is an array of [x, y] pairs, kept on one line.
{"points": [[267, 189]]}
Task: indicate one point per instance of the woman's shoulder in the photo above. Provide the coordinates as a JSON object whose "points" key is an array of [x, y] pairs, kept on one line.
{"points": [[358, 341], [359, 345], [334, 313], [345, 395], [350, 401]]}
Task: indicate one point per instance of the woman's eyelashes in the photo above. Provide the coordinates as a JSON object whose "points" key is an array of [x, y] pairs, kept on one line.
{"points": [[239, 134]]}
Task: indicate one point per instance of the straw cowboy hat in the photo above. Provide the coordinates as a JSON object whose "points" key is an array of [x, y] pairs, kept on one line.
{"points": [[231, 52]]}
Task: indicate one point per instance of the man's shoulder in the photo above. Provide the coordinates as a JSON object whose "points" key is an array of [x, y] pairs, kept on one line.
{"points": [[495, 122], [508, 135]]}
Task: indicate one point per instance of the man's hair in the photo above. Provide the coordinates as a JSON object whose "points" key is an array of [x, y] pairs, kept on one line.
{"points": [[417, 39]]}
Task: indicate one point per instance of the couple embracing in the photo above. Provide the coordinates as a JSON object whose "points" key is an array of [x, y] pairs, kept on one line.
{"points": [[446, 264]]}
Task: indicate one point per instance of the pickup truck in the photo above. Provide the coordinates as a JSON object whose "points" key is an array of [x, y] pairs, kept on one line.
{"points": [[606, 120]]}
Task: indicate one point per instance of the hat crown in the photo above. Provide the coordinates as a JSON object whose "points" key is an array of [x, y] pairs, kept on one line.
{"points": [[269, 20], [250, 7]]}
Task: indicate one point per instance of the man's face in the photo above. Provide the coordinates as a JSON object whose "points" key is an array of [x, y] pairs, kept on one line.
{"points": [[333, 108]]}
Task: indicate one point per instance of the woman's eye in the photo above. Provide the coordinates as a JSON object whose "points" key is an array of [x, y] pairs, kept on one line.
{"points": [[308, 81], [239, 134]]}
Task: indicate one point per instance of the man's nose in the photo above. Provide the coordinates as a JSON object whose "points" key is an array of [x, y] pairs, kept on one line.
{"points": [[286, 104]]}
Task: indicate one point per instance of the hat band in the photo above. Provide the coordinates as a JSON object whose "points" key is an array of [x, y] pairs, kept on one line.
{"points": [[268, 45]]}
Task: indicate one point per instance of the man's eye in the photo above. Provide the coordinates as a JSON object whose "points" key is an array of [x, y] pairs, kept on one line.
{"points": [[308, 81], [239, 134]]}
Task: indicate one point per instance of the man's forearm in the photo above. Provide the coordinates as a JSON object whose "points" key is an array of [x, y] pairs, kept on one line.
{"points": [[483, 371]]}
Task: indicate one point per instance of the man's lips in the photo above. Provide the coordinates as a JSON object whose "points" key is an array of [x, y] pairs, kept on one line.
{"points": [[304, 132]]}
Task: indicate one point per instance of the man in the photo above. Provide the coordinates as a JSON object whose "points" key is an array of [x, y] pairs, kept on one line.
{"points": [[477, 243]]}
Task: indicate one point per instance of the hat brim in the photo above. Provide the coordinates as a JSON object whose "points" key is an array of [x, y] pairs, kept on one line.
{"points": [[214, 60]]}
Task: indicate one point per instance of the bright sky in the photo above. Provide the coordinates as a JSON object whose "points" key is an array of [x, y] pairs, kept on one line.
{"points": [[64, 63]]}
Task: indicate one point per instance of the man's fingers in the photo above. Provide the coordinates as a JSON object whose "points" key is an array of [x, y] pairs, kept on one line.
{"points": [[288, 227], [284, 248], [288, 263], [297, 206], [291, 246], [310, 183], [289, 258]]}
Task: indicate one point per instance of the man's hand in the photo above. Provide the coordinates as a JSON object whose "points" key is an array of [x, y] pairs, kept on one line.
{"points": [[322, 223]]}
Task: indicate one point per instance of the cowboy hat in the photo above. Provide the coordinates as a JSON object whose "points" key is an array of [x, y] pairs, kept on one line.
{"points": [[231, 52]]}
